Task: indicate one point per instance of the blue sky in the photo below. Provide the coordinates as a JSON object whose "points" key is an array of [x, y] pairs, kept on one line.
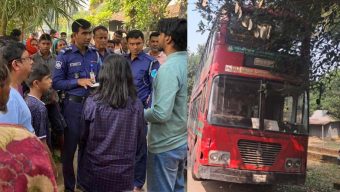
{"points": [[194, 38]]}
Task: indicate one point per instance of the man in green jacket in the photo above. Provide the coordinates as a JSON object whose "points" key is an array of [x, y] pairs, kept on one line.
{"points": [[167, 136]]}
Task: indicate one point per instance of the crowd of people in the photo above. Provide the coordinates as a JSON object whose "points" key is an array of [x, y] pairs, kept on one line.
{"points": [[120, 105]]}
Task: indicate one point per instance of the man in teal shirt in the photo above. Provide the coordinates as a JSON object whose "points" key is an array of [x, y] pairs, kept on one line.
{"points": [[167, 136]]}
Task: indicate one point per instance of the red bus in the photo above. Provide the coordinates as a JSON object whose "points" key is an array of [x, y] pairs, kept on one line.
{"points": [[248, 112]]}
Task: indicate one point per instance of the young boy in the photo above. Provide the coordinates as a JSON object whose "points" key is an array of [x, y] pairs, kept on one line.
{"points": [[39, 83]]}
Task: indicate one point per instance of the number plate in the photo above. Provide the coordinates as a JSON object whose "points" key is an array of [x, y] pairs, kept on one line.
{"points": [[259, 178], [263, 62]]}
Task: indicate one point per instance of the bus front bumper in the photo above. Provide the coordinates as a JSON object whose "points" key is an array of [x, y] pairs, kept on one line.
{"points": [[251, 177]]}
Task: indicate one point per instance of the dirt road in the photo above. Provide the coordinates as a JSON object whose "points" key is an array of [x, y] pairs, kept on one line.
{"points": [[320, 177], [217, 186]]}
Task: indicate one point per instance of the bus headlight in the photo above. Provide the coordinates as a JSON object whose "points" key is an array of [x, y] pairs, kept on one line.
{"points": [[219, 157], [213, 156], [289, 163], [225, 157], [297, 164], [293, 163]]}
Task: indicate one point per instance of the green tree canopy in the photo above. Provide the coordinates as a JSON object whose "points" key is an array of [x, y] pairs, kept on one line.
{"points": [[194, 59], [140, 14], [330, 94], [31, 13], [321, 46], [100, 13], [144, 14]]}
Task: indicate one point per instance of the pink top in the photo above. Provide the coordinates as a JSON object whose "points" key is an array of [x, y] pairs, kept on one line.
{"points": [[160, 58]]}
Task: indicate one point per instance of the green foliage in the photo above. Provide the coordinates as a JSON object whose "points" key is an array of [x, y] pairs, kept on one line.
{"points": [[63, 23], [95, 2], [330, 94], [319, 38], [100, 13], [320, 178], [31, 13], [139, 14], [144, 14], [194, 59], [313, 96], [114, 5]]}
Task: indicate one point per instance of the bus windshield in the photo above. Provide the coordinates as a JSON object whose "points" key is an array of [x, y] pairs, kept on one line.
{"points": [[235, 102]]}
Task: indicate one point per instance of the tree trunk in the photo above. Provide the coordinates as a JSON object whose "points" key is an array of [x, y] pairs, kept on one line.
{"points": [[4, 20], [23, 26], [183, 9], [3, 24], [306, 52]]}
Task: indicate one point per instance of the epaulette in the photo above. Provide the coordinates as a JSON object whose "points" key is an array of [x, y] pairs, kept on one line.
{"points": [[66, 49]]}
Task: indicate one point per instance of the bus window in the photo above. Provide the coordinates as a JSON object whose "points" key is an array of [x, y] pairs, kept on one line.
{"points": [[234, 102], [205, 60], [284, 104], [193, 116], [287, 109], [299, 110], [202, 107]]}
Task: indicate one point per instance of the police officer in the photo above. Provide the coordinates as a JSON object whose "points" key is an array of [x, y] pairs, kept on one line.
{"points": [[101, 38], [144, 69], [75, 71]]}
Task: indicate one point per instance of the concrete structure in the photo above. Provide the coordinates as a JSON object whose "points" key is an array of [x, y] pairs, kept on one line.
{"points": [[116, 21], [324, 125]]}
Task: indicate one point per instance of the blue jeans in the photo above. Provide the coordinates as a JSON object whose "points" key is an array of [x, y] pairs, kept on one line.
{"points": [[165, 170]]}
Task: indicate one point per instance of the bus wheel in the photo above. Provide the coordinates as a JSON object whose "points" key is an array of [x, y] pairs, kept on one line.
{"points": [[192, 162]]}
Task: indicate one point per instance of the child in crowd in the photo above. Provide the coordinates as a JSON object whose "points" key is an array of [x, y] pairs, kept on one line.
{"points": [[39, 83]]}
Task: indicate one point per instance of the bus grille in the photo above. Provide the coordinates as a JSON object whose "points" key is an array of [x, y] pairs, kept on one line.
{"points": [[258, 153]]}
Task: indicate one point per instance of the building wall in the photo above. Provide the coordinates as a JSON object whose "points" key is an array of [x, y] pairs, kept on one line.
{"points": [[331, 130], [315, 130]]}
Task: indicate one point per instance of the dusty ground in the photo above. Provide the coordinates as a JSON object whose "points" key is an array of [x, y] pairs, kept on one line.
{"points": [[320, 178], [333, 144]]}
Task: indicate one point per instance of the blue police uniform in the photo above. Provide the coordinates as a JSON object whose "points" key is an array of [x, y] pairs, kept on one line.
{"points": [[144, 68], [72, 65], [107, 53]]}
